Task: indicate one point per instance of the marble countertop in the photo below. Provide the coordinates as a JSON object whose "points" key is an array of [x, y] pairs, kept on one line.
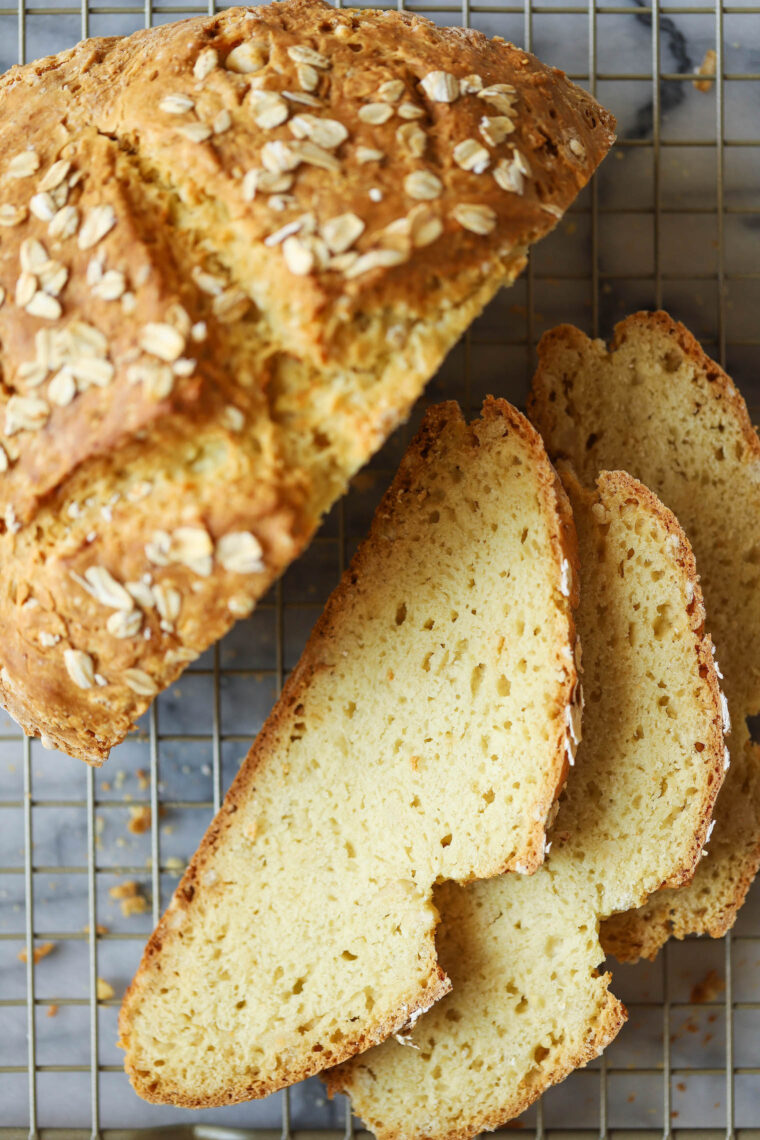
{"points": [[642, 255]]}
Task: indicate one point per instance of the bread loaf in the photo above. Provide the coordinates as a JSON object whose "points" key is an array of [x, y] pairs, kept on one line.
{"points": [[655, 404], [233, 251], [423, 736], [528, 1004]]}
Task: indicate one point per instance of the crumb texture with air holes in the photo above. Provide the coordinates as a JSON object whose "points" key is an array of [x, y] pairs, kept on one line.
{"points": [[528, 1004], [233, 251], [423, 736], [657, 405]]}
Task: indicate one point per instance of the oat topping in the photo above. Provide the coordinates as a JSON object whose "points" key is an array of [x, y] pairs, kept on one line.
{"points": [[99, 221], [103, 587], [299, 258], [470, 85], [510, 174], [391, 91], [375, 259], [412, 138], [156, 378], [301, 97], [12, 215], [44, 306], [279, 236], [140, 682], [308, 77], [26, 287], [375, 113], [25, 413], [168, 602], [48, 640], [62, 388], [472, 155], [476, 218], [43, 207], [232, 418], [3, 459], [55, 176], [268, 181], [341, 232], [246, 58], [23, 165], [222, 122], [65, 223], [440, 87], [195, 132], [577, 148], [410, 111], [80, 667], [500, 97], [328, 133], [423, 185], [269, 109], [495, 128], [299, 53], [199, 332], [162, 340], [208, 282], [365, 154], [205, 63], [240, 553], [230, 305], [111, 286], [176, 104]]}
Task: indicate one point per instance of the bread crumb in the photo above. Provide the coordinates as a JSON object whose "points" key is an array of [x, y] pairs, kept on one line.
{"points": [[99, 929], [105, 990], [708, 989], [38, 953], [707, 68], [143, 779], [105, 786], [140, 819], [52, 1010], [128, 894], [175, 865]]}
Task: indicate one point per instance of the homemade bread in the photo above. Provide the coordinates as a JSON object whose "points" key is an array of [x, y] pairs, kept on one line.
{"points": [[234, 249], [527, 1004], [423, 736], [656, 405]]}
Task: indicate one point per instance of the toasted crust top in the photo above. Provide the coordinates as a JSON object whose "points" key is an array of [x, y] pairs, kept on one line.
{"points": [[326, 161]]}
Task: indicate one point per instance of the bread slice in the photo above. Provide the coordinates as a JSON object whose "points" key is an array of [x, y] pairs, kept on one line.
{"points": [[528, 1004], [424, 735], [656, 405], [234, 249]]}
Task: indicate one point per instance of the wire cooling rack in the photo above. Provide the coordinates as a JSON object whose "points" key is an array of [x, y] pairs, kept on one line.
{"points": [[672, 219]]}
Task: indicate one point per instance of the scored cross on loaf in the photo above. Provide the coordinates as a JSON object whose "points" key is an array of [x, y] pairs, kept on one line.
{"points": [[232, 252], [528, 1004], [656, 404], [423, 736]]}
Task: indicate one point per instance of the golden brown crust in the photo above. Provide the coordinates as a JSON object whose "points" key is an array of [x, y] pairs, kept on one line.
{"points": [[153, 223]]}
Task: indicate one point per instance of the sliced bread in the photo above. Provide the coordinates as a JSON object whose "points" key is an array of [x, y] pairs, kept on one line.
{"points": [[423, 736], [528, 1004], [657, 406]]}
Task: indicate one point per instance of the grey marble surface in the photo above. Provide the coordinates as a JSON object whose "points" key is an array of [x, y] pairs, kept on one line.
{"points": [[641, 254]]}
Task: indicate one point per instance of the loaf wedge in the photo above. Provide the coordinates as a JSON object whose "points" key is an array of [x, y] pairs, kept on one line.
{"points": [[656, 405], [423, 736], [234, 249], [528, 1004]]}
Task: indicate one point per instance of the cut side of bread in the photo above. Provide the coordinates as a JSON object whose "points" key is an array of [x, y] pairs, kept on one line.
{"points": [[657, 405], [527, 1003], [423, 736], [234, 250]]}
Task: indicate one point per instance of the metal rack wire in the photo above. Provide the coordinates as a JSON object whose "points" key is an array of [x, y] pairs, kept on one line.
{"points": [[673, 220]]}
